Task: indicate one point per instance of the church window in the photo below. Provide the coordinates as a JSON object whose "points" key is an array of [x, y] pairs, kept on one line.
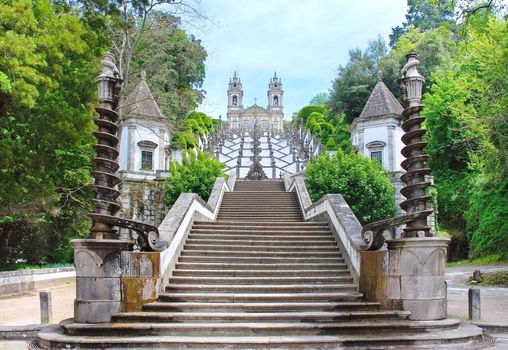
{"points": [[146, 160], [275, 85], [275, 100], [377, 155], [235, 100], [234, 85]]}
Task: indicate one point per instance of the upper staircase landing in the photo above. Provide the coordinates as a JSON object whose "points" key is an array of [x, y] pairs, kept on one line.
{"points": [[259, 186]]}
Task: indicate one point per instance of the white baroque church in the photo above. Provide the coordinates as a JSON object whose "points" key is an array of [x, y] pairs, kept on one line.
{"points": [[267, 119]]}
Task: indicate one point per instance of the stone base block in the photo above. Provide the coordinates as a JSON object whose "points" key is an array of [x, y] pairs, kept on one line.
{"points": [[426, 309], [138, 291], [95, 311], [408, 276]]}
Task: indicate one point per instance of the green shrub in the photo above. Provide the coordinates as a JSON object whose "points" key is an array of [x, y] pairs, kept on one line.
{"points": [[364, 184], [195, 174]]}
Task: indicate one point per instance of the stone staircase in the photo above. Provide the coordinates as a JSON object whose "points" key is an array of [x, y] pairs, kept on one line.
{"points": [[261, 278]]}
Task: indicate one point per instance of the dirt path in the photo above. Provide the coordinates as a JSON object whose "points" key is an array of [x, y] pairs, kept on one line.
{"points": [[23, 309]]}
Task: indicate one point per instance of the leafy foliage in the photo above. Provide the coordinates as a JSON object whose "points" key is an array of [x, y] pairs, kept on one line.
{"points": [[49, 57], [174, 63], [196, 174], [364, 184], [196, 124]]}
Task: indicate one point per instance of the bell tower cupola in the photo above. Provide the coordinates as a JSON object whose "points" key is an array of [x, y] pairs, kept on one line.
{"points": [[275, 101], [235, 101]]}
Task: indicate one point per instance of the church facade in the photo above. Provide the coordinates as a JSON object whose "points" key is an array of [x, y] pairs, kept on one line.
{"points": [[267, 119]]}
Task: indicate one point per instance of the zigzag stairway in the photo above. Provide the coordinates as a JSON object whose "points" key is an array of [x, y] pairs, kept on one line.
{"points": [[262, 278]]}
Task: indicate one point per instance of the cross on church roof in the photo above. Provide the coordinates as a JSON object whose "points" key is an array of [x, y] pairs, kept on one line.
{"points": [[255, 101]]}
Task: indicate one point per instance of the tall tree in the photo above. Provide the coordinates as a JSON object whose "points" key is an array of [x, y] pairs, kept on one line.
{"points": [[425, 15], [174, 63], [355, 81], [49, 59]]}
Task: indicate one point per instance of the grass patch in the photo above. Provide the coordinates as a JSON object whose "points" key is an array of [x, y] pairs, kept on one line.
{"points": [[492, 279], [484, 260]]}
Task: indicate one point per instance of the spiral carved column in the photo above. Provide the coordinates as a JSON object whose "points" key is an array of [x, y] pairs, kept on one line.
{"points": [[417, 200], [106, 205], [105, 202]]}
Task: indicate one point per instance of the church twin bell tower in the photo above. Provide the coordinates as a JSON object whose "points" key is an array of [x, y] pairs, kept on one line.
{"points": [[267, 119]]}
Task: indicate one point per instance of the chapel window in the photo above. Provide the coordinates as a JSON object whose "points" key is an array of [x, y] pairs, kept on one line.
{"points": [[146, 160], [377, 155]]}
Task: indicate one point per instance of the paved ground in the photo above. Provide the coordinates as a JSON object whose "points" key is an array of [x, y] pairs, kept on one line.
{"points": [[23, 309]]}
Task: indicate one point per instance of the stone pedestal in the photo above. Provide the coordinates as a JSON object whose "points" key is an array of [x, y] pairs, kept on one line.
{"points": [[111, 278], [409, 275], [98, 273]]}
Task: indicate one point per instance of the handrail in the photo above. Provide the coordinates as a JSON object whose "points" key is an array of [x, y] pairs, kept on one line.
{"points": [[334, 209], [176, 226]]}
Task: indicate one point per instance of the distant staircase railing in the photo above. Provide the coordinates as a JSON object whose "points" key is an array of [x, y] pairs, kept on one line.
{"points": [[189, 207]]}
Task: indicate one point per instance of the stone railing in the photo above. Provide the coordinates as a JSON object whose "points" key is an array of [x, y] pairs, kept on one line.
{"points": [[177, 224], [333, 209]]}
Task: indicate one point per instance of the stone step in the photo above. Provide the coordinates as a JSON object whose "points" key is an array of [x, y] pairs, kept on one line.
{"points": [[251, 288], [260, 214], [211, 280], [241, 209], [266, 248], [203, 317], [278, 253], [260, 297], [265, 242], [262, 328], [464, 337], [261, 226], [265, 260], [266, 273], [258, 266], [261, 233], [259, 306], [259, 219]]}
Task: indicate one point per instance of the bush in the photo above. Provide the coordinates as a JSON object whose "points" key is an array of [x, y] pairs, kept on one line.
{"points": [[196, 174], [366, 187]]}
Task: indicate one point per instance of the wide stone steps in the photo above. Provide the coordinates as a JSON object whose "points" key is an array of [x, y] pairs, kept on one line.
{"points": [[256, 272], [260, 306], [260, 260], [209, 280], [277, 253], [261, 278], [462, 338], [202, 317], [239, 328], [258, 266], [262, 248], [281, 288], [235, 242], [260, 297], [265, 185]]}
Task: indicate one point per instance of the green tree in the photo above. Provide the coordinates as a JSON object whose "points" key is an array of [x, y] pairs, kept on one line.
{"points": [[50, 59], [196, 174], [355, 81], [319, 99], [425, 15], [174, 63], [364, 184]]}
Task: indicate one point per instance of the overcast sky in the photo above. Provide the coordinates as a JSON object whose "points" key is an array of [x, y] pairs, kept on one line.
{"points": [[305, 41]]}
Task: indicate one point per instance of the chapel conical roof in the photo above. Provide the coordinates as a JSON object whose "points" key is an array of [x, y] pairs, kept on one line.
{"points": [[381, 102], [141, 102]]}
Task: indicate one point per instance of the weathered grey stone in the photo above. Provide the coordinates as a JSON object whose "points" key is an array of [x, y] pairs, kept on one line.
{"points": [[422, 287], [474, 304], [101, 288], [46, 306], [426, 309], [96, 311]]}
